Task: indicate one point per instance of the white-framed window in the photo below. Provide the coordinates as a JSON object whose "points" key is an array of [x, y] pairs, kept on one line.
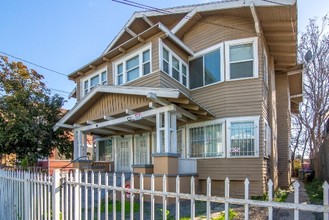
{"points": [[267, 140], [243, 137], [241, 58], [208, 67], [172, 65], [141, 149], [90, 82], [133, 66], [206, 139]]}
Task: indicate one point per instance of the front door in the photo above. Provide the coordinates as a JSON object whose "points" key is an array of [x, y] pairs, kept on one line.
{"points": [[123, 154]]}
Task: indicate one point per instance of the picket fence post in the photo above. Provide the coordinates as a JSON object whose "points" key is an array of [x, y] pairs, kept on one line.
{"points": [[56, 186], [325, 187]]}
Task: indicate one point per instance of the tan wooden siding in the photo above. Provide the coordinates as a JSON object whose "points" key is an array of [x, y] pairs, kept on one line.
{"points": [[215, 29], [110, 103], [231, 98], [155, 54], [150, 80], [283, 120], [168, 82], [110, 75]]}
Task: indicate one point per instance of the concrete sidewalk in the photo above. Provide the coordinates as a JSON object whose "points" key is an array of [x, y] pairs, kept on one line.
{"points": [[285, 214]]}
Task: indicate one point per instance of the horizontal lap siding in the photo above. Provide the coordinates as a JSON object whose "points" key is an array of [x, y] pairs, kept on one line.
{"points": [[211, 31], [168, 82], [231, 99], [150, 80]]}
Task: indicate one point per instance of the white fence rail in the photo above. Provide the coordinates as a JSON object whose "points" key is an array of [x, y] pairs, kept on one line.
{"points": [[25, 195]]}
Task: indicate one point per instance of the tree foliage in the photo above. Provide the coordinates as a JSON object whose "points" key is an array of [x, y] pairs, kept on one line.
{"points": [[309, 122], [28, 113]]}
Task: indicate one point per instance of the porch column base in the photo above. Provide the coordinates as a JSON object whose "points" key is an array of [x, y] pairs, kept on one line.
{"points": [[165, 163], [145, 169]]}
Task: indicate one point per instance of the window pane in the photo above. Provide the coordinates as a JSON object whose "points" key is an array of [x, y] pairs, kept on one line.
{"points": [[120, 79], [105, 150], [133, 62], [197, 142], [104, 78], [241, 70], [146, 56], [175, 63], [212, 67], [184, 80], [196, 73], [165, 66], [94, 81], [241, 52], [175, 74], [86, 85], [132, 74], [120, 68], [183, 70], [146, 68], [165, 54], [141, 154], [242, 139]]}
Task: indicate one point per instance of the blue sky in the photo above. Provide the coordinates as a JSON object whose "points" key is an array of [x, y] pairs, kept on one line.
{"points": [[64, 35]]}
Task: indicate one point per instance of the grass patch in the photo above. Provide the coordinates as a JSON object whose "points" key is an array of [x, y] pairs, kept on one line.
{"points": [[315, 191], [119, 207], [280, 195], [231, 215]]}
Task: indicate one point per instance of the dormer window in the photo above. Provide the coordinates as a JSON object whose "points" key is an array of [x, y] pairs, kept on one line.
{"points": [[100, 78], [133, 66]]}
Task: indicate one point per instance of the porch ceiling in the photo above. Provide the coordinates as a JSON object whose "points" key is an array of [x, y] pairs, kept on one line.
{"points": [[134, 118]]}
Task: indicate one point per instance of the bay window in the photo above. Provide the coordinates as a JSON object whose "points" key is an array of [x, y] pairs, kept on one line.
{"points": [[208, 68], [241, 56], [173, 66], [133, 66], [242, 137]]}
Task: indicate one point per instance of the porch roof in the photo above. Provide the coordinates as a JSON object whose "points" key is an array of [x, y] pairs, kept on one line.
{"points": [[186, 108]]}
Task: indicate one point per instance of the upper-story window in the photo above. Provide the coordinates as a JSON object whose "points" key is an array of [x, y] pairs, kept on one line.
{"points": [[207, 68], [241, 58], [133, 66], [100, 78], [174, 66]]}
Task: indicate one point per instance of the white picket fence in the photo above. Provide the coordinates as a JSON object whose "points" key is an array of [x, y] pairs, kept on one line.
{"points": [[30, 196]]}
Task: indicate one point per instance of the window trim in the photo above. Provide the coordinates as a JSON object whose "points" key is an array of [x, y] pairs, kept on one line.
{"points": [[171, 54], [265, 67], [123, 60], [267, 140], [229, 121], [89, 77], [254, 41], [209, 50], [203, 124]]}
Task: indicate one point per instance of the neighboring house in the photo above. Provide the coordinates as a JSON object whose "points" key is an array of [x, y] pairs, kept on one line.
{"points": [[204, 90]]}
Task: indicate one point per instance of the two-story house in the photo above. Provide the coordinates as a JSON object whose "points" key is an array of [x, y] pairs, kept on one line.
{"points": [[203, 90]]}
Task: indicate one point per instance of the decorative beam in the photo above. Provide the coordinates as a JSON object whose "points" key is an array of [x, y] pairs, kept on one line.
{"points": [[140, 39], [190, 106], [131, 112], [129, 31], [286, 63], [123, 50], [106, 117], [180, 100], [92, 67], [80, 73], [103, 131], [106, 59], [199, 112], [153, 105], [65, 126], [148, 21]]}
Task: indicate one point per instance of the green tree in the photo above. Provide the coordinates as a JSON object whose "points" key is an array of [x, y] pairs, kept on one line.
{"points": [[28, 113]]}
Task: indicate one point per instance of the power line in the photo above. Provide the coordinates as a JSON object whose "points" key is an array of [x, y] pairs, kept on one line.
{"points": [[26, 61], [167, 12], [274, 2], [61, 91]]}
